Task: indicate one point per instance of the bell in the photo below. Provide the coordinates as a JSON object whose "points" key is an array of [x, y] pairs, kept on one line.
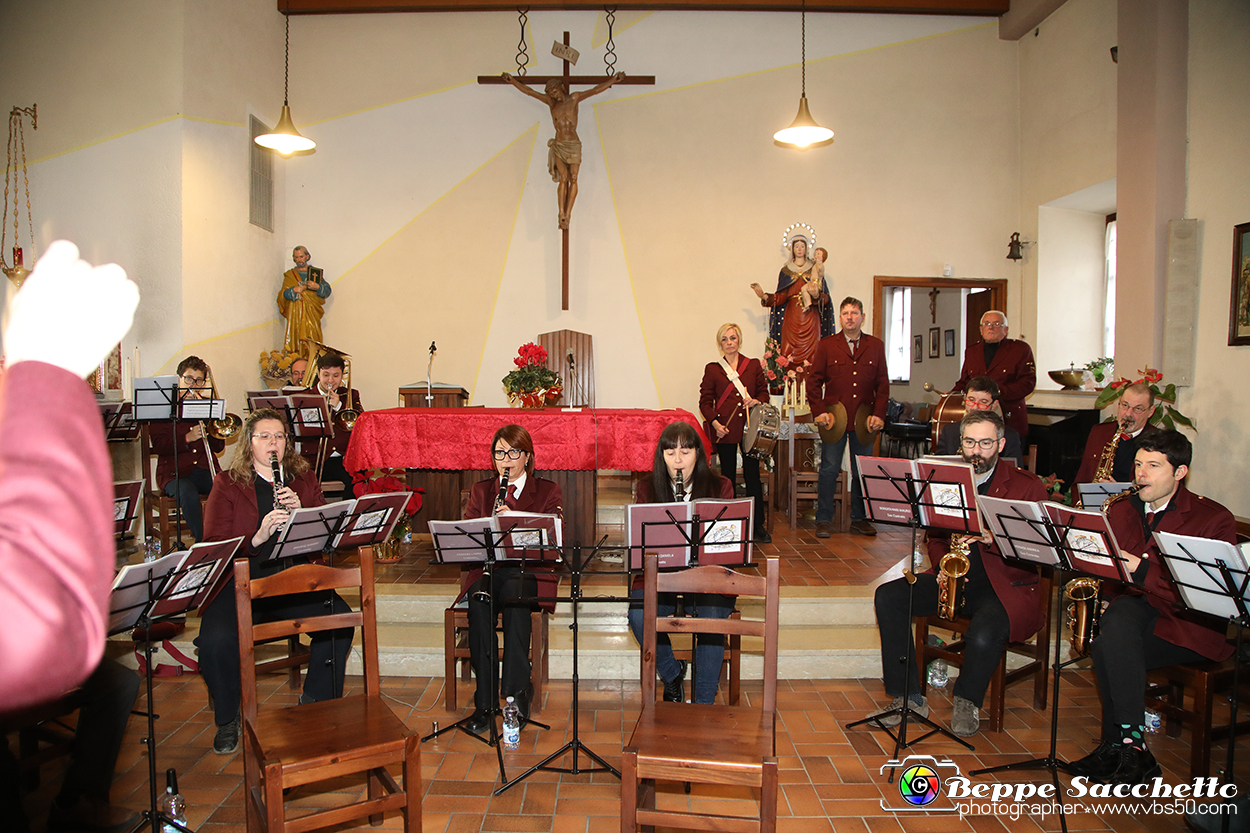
{"points": [[1013, 248]]}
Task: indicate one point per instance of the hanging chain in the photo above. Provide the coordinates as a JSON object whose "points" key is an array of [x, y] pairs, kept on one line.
{"points": [[803, 26], [609, 57], [286, 76], [17, 146], [522, 55]]}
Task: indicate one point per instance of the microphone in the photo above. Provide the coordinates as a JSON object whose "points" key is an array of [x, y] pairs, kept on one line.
{"points": [[433, 349]]}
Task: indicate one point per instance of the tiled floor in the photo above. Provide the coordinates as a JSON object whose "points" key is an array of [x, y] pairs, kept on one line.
{"points": [[831, 777]]}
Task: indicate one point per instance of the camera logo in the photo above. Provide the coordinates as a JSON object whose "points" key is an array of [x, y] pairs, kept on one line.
{"points": [[919, 780]]}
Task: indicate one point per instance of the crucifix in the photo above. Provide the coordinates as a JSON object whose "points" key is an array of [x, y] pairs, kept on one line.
{"points": [[933, 296], [564, 155]]}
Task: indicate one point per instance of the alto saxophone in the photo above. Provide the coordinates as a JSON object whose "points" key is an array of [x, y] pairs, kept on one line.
{"points": [[1106, 463], [951, 571], [1082, 593]]}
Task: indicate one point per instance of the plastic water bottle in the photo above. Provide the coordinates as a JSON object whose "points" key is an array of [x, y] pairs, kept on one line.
{"points": [[1152, 721], [939, 674], [511, 726], [172, 805], [151, 549]]}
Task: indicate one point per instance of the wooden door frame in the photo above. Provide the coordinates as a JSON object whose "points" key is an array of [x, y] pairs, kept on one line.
{"points": [[996, 286]]}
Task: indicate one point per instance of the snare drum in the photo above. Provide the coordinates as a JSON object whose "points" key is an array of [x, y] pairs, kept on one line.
{"points": [[762, 430]]}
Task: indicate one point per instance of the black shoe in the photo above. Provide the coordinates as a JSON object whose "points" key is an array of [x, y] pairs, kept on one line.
{"points": [[824, 529], [1136, 767], [522, 701], [1098, 764], [675, 689], [762, 537], [863, 527], [478, 722], [227, 738]]}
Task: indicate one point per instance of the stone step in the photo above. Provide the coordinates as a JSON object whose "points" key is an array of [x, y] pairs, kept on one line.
{"points": [[825, 632]]}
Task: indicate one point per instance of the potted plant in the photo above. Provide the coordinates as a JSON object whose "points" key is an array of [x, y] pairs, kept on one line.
{"points": [[1166, 414], [532, 383], [275, 367], [377, 481]]}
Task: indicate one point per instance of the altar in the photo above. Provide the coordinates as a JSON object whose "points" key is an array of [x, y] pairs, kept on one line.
{"points": [[446, 450]]}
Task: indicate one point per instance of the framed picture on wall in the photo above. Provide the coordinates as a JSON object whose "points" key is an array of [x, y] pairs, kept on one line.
{"points": [[950, 342], [935, 346], [1239, 306], [917, 349]]}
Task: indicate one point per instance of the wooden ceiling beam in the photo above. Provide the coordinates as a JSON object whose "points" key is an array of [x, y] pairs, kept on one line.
{"points": [[939, 7]]}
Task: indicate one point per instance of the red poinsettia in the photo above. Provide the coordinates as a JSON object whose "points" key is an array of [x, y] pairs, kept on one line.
{"points": [[1166, 414], [380, 481]]}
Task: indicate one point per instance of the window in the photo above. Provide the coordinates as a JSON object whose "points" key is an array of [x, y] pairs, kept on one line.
{"points": [[261, 187], [1108, 298], [898, 325]]}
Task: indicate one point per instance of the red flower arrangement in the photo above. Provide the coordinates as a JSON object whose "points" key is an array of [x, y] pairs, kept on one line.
{"points": [[380, 481], [533, 384], [1166, 414]]}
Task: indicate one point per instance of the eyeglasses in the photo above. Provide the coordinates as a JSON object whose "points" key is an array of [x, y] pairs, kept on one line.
{"points": [[985, 445], [991, 325], [266, 437], [1137, 410], [193, 381], [510, 454]]}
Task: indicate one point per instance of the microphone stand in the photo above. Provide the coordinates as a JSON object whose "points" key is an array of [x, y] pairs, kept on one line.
{"points": [[429, 384]]}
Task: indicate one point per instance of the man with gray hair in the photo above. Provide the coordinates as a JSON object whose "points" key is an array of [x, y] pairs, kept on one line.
{"points": [[1009, 362]]}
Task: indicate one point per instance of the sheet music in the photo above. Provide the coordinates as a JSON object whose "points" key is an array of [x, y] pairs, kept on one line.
{"points": [[1019, 529], [1194, 564]]}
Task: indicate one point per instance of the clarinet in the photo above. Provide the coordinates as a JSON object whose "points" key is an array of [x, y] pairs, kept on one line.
{"points": [[501, 498], [679, 488], [277, 478]]}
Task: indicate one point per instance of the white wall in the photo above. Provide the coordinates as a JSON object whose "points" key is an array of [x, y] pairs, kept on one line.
{"points": [[1070, 290]]}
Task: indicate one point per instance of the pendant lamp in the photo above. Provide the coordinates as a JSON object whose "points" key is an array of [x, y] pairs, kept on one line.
{"points": [[804, 132], [284, 138]]}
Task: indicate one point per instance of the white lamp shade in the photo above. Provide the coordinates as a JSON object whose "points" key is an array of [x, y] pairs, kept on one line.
{"points": [[803, 132], [285, 139]]}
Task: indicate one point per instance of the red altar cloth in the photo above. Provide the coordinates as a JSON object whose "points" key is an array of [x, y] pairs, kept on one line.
{"points": [[458, 438]]}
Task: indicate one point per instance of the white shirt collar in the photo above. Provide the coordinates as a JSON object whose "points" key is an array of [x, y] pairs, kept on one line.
{"points": [[519, 483]]}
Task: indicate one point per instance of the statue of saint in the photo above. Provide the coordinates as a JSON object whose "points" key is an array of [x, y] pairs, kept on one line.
{"points": [[301, 301], [801, 312], [564, 152]]}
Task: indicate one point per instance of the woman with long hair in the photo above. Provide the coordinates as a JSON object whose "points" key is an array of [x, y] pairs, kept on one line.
{"points": [[680, 449], [730, 388], [246, 501]]}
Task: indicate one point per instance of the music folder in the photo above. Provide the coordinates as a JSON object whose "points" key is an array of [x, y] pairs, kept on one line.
{"points": [[517, 536], [170, 585], [1195, 566], [203, 408], [668, 528], [309, 529], [125, 504], [372, 519]]}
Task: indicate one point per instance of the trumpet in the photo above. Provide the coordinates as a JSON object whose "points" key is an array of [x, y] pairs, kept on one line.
{"points": [[951, 571], [1084, 609]]}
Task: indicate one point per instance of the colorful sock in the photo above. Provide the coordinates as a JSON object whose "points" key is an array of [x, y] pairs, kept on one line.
{"points": [[917, 700], [1134, 736]]}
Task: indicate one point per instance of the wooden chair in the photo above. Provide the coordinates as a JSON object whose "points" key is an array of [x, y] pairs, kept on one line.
{"points": [[705, 744], [1166, 695], [731, 668], [456, 650], [1037, 651], [294, 745]]}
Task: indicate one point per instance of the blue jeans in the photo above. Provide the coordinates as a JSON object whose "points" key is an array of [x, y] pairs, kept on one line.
{"points": [[827, 482], [709, 652], [188, 490]]}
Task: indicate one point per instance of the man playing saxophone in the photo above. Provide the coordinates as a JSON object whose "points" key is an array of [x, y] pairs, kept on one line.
{"points": [[1000, 599], [1146, 626], [1109, 461]]}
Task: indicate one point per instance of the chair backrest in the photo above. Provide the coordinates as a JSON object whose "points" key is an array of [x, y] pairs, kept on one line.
{"points": [[304, 578], [711, 579], [149, 460]]}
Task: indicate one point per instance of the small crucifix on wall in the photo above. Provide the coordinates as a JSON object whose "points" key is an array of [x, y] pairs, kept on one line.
{"points": [[933, 296], [564, 155]]}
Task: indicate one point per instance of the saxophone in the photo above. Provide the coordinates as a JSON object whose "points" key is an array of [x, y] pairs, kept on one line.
{"points": [[1084, 606], [1106, 463], [951, 571]]}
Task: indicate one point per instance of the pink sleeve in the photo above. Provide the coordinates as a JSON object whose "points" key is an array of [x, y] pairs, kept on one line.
{"points": [[56, 542]]}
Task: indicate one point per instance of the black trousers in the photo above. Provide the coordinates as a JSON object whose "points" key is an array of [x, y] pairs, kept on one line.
{"points": [[508, 585], [1125, 649], [219, 646], [985, 641], [728, 455]]}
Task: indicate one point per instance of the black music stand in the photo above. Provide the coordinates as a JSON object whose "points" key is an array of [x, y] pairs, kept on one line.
{"points": [[467, 542], [1048, 534], [156, 591], [156, 400], [894, 494], [127, 495], [577, 565], [1213, 577]]}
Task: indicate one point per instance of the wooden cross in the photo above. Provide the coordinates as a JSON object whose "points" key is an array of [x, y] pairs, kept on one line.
{"points": [[568, 187]]}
